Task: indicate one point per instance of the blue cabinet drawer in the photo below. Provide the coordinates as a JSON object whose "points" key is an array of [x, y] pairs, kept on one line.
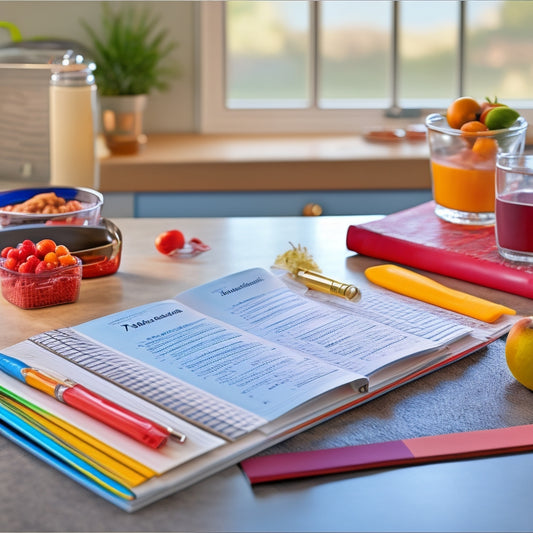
{"points": [[243, 204]]}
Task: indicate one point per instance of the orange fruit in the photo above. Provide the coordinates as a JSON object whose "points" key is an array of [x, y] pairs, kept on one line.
{"points": [[461, 110], [61, 249], [67, 260], [485, 147], [474, 126], [51, 258]]}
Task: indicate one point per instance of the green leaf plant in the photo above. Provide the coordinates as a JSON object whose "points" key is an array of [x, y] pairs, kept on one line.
{"points": [[131, 52]]}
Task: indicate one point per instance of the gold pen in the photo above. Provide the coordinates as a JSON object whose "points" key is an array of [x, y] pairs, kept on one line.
{"points": [[319, 282], [301, 265]]}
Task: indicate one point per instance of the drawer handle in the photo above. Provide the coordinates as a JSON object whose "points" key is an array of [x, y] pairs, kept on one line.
{"points": [[312, 210]]}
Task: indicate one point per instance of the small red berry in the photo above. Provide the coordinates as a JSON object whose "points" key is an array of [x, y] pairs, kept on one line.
{"points": [[11, 264], [14, 254], [26, 268], [43, 266], [6, 250], [26, 248], [32, 261]]}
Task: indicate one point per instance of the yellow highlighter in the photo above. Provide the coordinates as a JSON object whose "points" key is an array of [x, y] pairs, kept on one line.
{"points": [[409, 283]]}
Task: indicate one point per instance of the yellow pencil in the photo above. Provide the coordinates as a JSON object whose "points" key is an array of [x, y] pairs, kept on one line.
{"points": [[68, 436]]}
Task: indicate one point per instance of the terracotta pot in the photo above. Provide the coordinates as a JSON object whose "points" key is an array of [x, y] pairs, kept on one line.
{"points": [[122, 122]]}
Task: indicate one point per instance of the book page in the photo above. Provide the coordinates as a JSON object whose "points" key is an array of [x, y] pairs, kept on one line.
{"points": [[216, 376], [362, 337]]}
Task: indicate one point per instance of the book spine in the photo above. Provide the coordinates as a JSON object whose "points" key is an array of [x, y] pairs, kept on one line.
{"points": [[494, 275]]}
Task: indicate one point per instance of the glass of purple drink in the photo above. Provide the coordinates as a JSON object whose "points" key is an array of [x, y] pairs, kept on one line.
{"points": [[514, 207]]}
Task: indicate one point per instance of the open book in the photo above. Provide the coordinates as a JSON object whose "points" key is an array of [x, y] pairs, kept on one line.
{"points": [[236, 365]]}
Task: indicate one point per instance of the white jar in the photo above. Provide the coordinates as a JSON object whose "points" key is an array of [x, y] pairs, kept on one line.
{"points": [[73, 126]]}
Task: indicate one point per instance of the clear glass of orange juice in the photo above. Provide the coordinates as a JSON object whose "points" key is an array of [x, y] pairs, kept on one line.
{"points": [[463, 168]]}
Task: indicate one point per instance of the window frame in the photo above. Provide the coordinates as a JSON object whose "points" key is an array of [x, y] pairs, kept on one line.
{"points": [[214, 117]]}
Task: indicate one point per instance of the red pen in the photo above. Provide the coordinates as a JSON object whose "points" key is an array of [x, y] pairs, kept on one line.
{"points": [[115, 416], [75, 395]]}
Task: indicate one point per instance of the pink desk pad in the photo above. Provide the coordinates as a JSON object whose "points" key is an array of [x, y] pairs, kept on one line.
{"points": [[419, 450]]}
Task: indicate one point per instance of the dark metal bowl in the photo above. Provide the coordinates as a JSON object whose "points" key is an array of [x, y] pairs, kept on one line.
{"points": [[98, 246]]}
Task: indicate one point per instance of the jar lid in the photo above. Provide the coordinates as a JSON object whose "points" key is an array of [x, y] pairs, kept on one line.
{"points": [[72, 70]]}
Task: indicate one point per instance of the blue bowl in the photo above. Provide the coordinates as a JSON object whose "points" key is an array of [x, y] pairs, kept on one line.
{"points": [[31, 210]]}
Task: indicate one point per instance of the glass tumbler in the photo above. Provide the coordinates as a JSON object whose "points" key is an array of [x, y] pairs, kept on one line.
{"points": [[463, 168], [514, 207]]}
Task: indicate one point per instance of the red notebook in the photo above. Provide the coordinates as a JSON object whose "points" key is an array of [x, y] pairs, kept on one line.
{"points": [[416, 237]]}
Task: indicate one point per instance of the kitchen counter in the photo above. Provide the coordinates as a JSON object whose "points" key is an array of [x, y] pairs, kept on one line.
{"points": [[188, 162], [479, 494]]}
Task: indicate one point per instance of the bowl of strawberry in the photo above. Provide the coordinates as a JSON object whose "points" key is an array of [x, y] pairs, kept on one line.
{"points": [[39, 274]]}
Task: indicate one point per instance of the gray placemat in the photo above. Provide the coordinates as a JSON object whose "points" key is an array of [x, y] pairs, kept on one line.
{"points": [[477, 392]]}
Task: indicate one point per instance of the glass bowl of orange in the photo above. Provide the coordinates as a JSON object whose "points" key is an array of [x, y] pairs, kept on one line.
{"points": [[463, 144]]}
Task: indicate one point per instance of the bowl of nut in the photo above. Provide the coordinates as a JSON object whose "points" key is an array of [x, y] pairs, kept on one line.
{"points": [[39, 274], [50, 205]]}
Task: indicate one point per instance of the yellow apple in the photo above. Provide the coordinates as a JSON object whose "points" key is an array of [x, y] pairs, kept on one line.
{"points": [[519, 351]]}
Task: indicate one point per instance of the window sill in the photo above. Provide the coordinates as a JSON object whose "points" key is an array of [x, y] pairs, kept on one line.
{"points": [[194, 162]]}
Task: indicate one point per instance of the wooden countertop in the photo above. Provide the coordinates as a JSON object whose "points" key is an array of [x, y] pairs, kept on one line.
{"points": [[194, 162], [236, 244], [145, 275]]}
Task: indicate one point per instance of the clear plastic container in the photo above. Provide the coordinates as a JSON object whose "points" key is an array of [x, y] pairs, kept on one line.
{"points": [[44, 289]]}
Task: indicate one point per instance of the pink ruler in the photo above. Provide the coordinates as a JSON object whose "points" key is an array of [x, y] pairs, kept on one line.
{"points": [[419, 450]]}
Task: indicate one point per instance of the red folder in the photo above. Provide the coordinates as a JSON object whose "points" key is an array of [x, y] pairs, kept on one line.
{"points": [[420, 450], [416, 237]]}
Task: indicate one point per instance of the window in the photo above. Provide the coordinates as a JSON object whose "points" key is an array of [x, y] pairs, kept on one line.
{"points": [[335, 66]]}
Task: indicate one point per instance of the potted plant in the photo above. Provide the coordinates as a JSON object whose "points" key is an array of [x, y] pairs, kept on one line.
{"points": [[130, 54]]}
